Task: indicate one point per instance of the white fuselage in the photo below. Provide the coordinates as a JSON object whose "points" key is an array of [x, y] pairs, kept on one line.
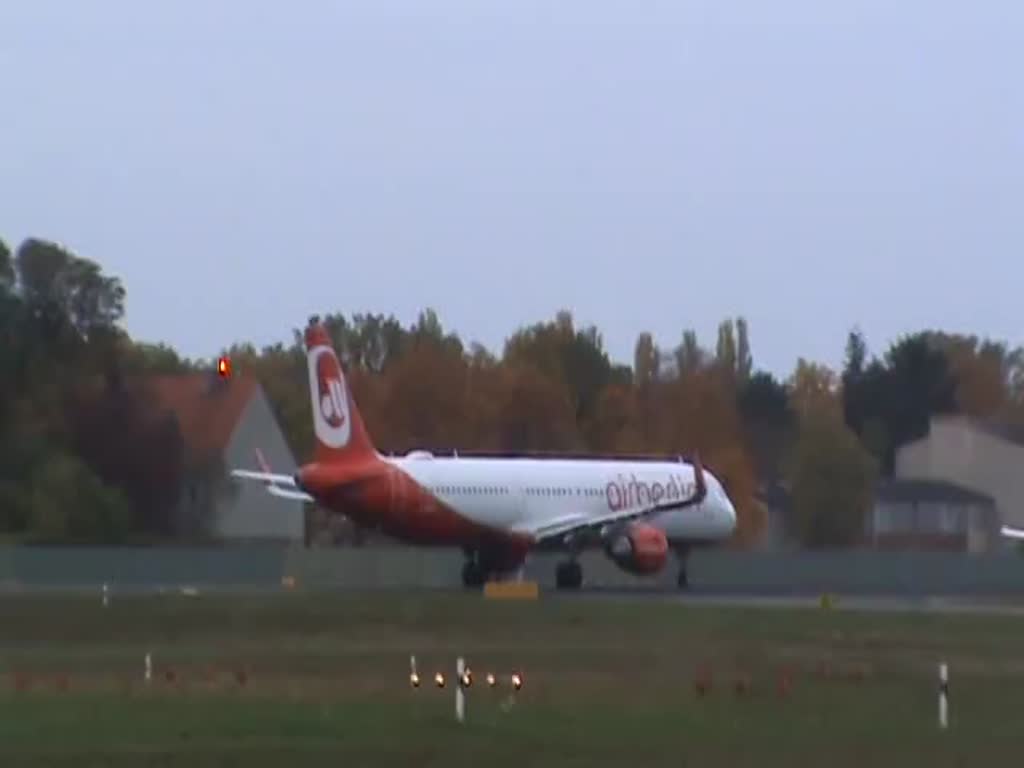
{"points": [[521, 493]]}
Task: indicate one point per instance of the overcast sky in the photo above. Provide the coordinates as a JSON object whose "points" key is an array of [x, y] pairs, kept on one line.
{"points": [[810, 165]]}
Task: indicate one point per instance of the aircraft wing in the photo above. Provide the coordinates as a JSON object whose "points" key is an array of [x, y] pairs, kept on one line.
{"points": [[574, 523], [1012, 533]]}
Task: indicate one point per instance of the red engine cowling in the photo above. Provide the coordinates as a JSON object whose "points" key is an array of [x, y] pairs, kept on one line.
{"points": [[640, 549]]}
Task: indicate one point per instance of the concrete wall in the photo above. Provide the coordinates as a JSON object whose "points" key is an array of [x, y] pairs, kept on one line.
{"points": [[918, 573], [253, 513]]}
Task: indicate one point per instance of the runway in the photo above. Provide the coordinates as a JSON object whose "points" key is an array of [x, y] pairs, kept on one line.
{"points": [[1009, 606]]}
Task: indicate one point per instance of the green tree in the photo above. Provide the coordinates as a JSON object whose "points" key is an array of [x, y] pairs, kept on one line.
{"points": [[725, 350], [744, 358], [63, 286], [69, 504], [768, 423], [6, 269], [832, 478]]}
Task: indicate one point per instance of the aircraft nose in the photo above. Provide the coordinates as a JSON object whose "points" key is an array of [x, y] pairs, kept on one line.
{"points": [[730, 512]]}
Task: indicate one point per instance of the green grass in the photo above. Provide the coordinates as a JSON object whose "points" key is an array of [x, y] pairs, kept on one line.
{"points": [[606, 683]]}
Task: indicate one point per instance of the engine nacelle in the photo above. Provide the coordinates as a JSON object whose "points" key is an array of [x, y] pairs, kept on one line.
{"points": [[639, 548]]}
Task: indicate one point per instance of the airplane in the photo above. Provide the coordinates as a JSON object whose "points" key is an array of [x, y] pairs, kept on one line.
{"points": [[1011, 532], [498, 509]]}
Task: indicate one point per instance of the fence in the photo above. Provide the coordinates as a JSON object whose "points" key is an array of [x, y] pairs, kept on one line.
{"points": [[723, 572]]}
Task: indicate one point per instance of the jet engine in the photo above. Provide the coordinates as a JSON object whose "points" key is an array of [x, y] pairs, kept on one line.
{"points": [[639, 549]]}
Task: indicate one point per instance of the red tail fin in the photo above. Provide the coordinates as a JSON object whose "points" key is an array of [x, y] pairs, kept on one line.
{"points": [[340, 434]]}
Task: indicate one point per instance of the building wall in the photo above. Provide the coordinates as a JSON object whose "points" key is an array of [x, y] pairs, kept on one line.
{"points": [[958, 452], [253, 513], [930, 525]]}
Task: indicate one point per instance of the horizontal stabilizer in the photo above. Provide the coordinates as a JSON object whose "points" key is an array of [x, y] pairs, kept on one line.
{"points": [[284, 493], [1012, 533], [267, 477], [282, 486]]}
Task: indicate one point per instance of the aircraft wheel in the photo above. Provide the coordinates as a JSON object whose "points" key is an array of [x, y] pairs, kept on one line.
{"points": [[683, 580]]}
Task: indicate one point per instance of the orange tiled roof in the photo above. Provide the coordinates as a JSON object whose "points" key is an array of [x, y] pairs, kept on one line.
{"points": [[207, 408]]}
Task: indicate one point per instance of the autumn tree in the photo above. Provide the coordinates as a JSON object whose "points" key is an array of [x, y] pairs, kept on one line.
{"points": [[986, 373], [570, 356], [689, 355], [814, 388], [535, 412]]}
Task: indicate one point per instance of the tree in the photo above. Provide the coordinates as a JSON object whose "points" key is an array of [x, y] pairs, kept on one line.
{"points": [[534, 413], [919, 384], [128, 447], [57, 284], [689, 355], [424, 395], [573, 357], [69, 504], [769, 423], [813, 387], [744, 359], [6, 269], [832, 479], [985, 372], [725, 351], [856, 356]]}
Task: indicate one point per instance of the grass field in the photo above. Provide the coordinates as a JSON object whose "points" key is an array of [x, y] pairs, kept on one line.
{"points": [[325, 682]]}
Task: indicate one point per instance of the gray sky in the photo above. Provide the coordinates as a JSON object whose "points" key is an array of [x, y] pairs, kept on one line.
{"points": [[652, 166]]}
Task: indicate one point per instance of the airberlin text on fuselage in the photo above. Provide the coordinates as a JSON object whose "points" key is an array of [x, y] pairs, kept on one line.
{"points": [[625, 494]]}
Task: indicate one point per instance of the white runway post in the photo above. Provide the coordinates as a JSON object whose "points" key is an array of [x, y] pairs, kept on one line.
{"points": [[106, 597], [460, 695], [943, 695], [149, 668]]}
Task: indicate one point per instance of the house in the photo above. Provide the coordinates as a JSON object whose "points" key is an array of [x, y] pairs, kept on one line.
{"points": [[984, 457], [930, 515], [905, 514], [223, 421]]}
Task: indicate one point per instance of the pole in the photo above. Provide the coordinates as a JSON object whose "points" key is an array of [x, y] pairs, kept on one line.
{"points": [[460, 695], [105, 595], [943, 696], [149, 667]]}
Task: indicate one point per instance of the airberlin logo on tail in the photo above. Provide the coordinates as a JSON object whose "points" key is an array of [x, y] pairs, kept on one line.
{"points": [[331, 420]]}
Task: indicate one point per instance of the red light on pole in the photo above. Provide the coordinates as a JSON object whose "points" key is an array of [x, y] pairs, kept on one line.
{"points": [[224, 367]]}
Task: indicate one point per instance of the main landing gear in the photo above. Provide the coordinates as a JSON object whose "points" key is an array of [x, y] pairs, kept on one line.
{"points": [[569, 575], [483, 566]]}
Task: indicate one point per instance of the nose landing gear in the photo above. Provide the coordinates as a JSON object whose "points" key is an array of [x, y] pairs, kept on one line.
{"points": [[683, 581]]}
